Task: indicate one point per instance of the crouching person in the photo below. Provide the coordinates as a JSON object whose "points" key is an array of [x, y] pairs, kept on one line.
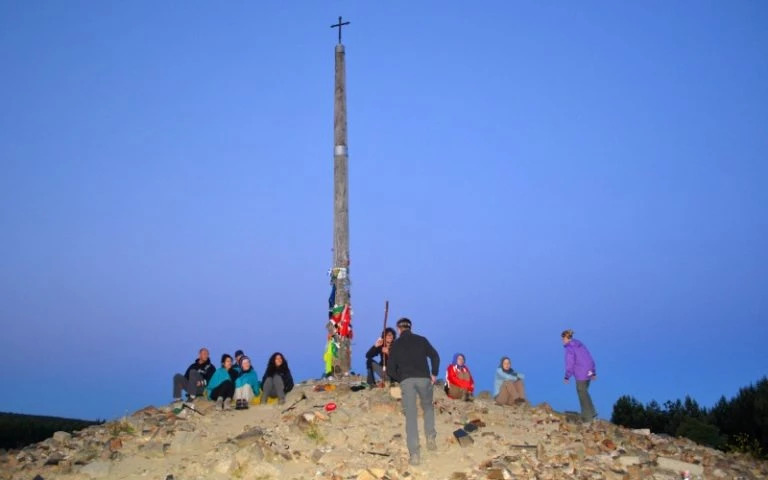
{"points": [[381, 348], [221, 387], [195, 379], [247, 385], [508, 387], [277, 379], [459, 383]]}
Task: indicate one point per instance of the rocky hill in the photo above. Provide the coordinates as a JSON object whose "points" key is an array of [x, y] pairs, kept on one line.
{"points": [[363, 438]]}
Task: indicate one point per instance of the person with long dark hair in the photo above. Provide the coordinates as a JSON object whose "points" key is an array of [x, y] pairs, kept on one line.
{"points": [[221, 387], [277, 380], [381, 347]]}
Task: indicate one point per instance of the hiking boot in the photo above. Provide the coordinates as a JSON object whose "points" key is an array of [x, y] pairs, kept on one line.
{"points": [[220, 403], [227, 404], [244, 404], [431, 444], [415, 459]]}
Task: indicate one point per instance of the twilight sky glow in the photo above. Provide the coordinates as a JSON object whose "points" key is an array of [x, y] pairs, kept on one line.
{"points": [[516, 169]]}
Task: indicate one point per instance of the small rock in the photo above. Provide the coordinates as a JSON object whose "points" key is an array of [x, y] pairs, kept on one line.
{"points": [[494, 474], [225, 465], [627, 460], [264, 470], [366, 475], [249, 436], [115, 444], [154, 449], [674, 465], [97, 469], [317, 455], [308, 417], [182, 440], [62, 437], [84, 456], [380, 404], [65, 466], [54, 459], [609, 445]]}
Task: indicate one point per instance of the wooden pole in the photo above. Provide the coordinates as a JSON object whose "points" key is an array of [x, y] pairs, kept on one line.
{"points": [[342, 363]]}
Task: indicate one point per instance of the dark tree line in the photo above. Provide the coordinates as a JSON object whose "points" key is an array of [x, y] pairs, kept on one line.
{"points": [[738, 424], [17, 430]]}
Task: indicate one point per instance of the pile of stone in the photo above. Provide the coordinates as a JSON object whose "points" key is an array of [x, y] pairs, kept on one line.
{"points": [[338, 431]]}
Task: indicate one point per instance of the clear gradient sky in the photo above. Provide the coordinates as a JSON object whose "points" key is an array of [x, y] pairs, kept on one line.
{"points": [[516, 168]]}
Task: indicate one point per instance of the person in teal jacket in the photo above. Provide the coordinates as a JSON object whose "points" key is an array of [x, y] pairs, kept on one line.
{"points": [[247, 384], [221, 386]]}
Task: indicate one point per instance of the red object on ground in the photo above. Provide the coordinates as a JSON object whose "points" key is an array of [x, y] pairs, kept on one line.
{"points": [[330, 406]]}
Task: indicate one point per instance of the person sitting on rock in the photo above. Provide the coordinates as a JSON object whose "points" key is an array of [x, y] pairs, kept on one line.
{"points": [[195, 379], [236, 364], [508, 387], [247, 384], [277, 379], [459, 383], [381, 347], [221, 387]]}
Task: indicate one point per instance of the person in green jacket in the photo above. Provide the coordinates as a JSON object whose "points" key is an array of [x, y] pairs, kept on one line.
{"points": [[247, 384], [221, 386]]}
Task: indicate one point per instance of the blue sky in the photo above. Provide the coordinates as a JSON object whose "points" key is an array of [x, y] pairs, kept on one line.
{"points": [[516, 168]]}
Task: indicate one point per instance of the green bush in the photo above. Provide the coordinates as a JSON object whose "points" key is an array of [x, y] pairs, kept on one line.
{"points": [[739, 424], [18, 431], [700, 432]]}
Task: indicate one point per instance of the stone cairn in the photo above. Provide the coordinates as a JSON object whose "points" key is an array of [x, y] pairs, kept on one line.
{"points": [[341, 430]]}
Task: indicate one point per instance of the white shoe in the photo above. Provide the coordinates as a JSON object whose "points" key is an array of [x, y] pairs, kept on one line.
{"points": [[220, 403]]}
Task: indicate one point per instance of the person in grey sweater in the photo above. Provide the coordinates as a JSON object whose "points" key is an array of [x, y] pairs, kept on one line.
{"points": [[408, 366]]}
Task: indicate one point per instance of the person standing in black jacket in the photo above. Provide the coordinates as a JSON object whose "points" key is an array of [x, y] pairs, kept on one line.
{"points": [[381, 347], [195, 378], [408, 365]]}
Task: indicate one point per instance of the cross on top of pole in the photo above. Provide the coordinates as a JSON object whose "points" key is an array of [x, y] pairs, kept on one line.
{"points": [[339, 25]]}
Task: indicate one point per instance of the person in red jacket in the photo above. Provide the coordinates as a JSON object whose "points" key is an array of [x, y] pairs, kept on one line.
{"points": [[459, 383]]}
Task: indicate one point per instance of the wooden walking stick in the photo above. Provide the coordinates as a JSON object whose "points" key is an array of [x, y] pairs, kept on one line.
{"points": [[384, 338]]}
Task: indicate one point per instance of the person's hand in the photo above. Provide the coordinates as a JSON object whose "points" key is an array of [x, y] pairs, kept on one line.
{"points": [[565, 380], [379, 342], [433, 378], [385, 350], [593, 377], [199, 383]]}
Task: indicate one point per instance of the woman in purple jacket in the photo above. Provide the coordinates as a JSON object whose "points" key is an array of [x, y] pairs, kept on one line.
{"points": [[579, 364]]}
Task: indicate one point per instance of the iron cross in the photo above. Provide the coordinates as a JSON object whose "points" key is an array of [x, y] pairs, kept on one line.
{"points": [[339, 25]]}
